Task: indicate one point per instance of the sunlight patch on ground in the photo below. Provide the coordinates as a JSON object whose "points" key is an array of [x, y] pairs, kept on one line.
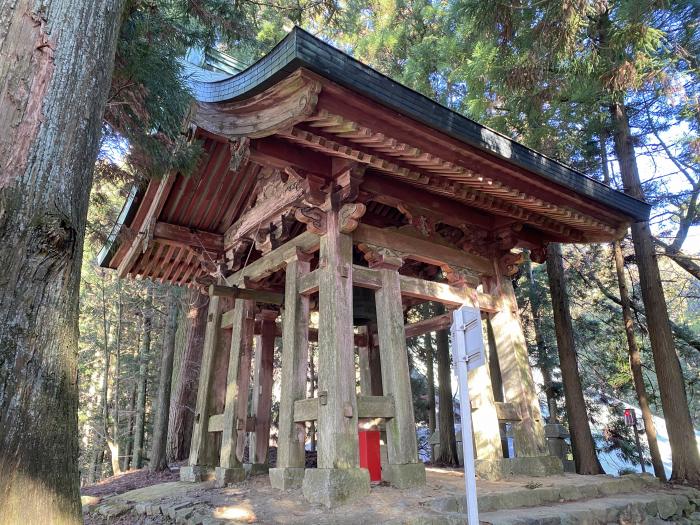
{"points": [[241, 512]]}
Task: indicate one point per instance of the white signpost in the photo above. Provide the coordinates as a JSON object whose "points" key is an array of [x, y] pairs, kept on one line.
{"points": [[468, 354]]}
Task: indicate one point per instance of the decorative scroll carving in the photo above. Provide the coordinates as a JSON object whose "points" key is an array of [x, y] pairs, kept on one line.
{"points": [[459, 275], [349, 216], [275, 233], [236, 255], [280, 107], [539, 254], [313, 217], [275, 195], [509, 263], [381, 257], [240, 152]]}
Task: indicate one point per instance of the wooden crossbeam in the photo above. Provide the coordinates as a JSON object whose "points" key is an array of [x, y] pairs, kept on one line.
{"points": [[368, 407], [188, 237], [420, 249], [435, 324], [260, 296], [507, 412]]}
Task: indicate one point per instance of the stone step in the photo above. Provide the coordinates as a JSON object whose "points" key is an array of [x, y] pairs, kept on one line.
{"points": [[591, 487], [650, 507]]}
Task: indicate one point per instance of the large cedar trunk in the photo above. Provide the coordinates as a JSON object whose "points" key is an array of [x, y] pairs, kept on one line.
{"points": [[184, 399], [632, 347], [446, 422], [684, 449], [144, 352], [55, 71], [158, 460], [582, 443]]}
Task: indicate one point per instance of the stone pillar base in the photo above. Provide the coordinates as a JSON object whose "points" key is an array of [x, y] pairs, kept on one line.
{"points": [[224, 476], [536, 466], [335, 486], [286, 478], [256, 469], [404, 476], [195, 473]]}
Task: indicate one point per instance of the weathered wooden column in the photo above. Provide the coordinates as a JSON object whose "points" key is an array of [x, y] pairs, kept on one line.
{"points": [[518, 385], [291, 459], [364, 363], [262, 393], [338, 477], [202, 451], [486, 428], [230, 469], [403, 468]]}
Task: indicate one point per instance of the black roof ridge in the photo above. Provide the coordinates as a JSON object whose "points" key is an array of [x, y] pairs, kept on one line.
{"points": [[301, 49]]}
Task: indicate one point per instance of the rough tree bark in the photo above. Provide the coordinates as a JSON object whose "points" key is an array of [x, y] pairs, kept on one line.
{"points": [[145, 350], [446, 421], [632, 347], [185, 395], [674, 400], [55, 72], [158, 460], [582, 443], [129, 448]]}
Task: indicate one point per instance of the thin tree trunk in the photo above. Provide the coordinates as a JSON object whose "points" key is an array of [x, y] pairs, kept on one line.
{"points": [[140, 419], [430, 372], [684, 449], [158, 460], [128, 453], [113, 440], [446, 422], [632, 347], [104, 404], [582, 443], [185, 398], [56, 68], [543, 358]]}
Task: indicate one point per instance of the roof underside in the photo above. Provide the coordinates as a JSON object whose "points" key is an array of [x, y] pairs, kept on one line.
{"points": [[307, 106]]}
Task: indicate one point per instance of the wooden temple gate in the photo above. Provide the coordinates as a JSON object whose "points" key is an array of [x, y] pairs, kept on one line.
{"points": [[325, 187]]}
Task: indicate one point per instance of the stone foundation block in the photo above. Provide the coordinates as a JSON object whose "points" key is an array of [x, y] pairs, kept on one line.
{"points": [[256, 469], [537, 466], [224, 476], [404, 476], [332, 486], [195, 473], [286, 478]]}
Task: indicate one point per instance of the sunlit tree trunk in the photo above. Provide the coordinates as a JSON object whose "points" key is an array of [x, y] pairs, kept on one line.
{"points": [[129, 448], [144, 352], [113, 440], [158, 460], [55, 72], [684, 449], [632, 347], [582, 444], [543, 360]]}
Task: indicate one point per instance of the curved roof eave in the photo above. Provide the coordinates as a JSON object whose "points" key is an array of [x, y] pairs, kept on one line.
{"points": [[301, 49]]}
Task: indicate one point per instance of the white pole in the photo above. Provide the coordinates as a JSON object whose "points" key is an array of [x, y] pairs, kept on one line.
{"points": [[461, 358]]}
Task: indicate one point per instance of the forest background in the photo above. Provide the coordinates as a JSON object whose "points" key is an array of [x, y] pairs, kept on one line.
{"points": [[531, 70]]}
